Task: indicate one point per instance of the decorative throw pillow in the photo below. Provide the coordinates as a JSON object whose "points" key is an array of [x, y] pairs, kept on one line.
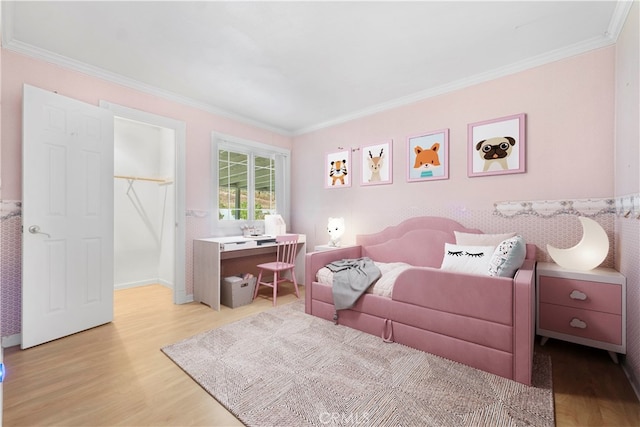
{"points": [[467, 259], [508, 257], [480, 239]]}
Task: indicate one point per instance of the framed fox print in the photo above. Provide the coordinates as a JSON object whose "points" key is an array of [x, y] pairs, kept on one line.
{"points": [[496, 146], [337, 169], [428, 156]]}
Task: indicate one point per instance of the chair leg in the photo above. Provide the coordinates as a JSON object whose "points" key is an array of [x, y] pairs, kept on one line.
{"points": [[275, 287], [255, 293], [295, 283]]}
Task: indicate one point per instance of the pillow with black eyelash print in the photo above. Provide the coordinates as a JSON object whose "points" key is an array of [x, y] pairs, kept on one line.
{"points": [[461, 253], [475, 255], [467, 259]]}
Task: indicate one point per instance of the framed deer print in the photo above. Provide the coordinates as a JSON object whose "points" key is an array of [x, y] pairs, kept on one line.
{"points": [[337, 168], [496, 146], [428, 156], [376, 163]]}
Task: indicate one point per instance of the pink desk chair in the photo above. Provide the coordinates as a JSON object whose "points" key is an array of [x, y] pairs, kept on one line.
{"points": [[285, 261]]}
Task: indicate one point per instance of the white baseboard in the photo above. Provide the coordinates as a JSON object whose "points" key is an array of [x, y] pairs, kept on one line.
{"points": [[11, 340], [182, 298], [165, 283], [146, 282]]}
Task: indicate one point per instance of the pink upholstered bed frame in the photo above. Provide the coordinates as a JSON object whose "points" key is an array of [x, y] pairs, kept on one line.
{"points": [[481, 321]]}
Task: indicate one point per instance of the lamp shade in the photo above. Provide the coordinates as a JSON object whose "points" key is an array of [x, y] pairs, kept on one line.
{"points": [[336, 229], [590, 251]]}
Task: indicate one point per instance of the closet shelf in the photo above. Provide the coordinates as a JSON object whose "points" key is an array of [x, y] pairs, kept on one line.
{"points": [[143, 178]]}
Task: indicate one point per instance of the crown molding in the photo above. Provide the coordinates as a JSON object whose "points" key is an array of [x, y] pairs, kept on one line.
{"points": [[549, 57], [65, 62], [608, 38], [618, 19], [616, 24]]}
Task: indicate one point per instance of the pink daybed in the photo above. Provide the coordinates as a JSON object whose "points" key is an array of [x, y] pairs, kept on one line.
{"points": [[482, 321]]}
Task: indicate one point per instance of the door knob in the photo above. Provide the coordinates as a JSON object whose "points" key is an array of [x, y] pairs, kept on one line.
{"points": [[35, 229]]}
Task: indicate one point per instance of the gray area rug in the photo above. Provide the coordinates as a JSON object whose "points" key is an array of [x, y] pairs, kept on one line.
{"points": [[283, 367]]}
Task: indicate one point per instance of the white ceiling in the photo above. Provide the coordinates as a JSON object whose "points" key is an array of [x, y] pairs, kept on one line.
{"points": [[298, 66]]}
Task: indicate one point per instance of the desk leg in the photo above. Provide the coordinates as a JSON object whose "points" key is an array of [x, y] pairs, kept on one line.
{"points": [[206, 273]]}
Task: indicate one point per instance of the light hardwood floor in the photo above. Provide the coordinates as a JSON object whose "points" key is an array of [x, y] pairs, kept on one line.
{"points": [[116, 374]]}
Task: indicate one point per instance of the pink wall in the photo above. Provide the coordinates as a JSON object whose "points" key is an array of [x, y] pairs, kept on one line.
{"points": [[18, 69], [569, 135], [571, 154], [569, 107], [628, 106]]}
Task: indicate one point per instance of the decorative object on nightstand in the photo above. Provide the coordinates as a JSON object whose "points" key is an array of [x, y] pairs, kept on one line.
{"points": [[318, 248], [335, 228], [583, 307], [590, 251]]}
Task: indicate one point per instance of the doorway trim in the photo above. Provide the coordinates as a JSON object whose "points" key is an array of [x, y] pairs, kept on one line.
{"points": [[179, 286]]}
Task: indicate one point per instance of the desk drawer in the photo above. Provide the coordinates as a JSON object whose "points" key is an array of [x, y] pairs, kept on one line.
{"points": [[236, 246], [588, 324], [605, 297]]}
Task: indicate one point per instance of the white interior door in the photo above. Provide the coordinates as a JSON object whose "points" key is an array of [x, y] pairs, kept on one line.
{"points": [[67, 195]]}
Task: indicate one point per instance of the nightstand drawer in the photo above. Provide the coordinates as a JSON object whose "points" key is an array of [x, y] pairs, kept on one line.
{"points": [[582, 294], [593, 325]]}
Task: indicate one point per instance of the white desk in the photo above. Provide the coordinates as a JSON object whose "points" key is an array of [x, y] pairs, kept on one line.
{"points": [[218, 257]]}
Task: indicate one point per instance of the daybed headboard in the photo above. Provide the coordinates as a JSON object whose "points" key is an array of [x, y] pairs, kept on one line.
{"points": [[417, 241]]}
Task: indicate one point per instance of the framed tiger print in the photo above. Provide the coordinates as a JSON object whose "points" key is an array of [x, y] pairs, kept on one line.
{"points": [[337, 169]]}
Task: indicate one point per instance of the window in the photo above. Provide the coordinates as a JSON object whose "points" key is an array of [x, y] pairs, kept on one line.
{"points": [[250, 180]]}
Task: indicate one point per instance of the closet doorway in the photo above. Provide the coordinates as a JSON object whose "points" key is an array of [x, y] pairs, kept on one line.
{"points": [[149, 193]]}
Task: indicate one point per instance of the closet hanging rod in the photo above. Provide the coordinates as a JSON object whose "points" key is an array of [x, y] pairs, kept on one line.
{"points": [[142, 178]]}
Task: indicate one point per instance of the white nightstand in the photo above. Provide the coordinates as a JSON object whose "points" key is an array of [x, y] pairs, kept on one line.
{"points": [[583, 307], [319, 248]]}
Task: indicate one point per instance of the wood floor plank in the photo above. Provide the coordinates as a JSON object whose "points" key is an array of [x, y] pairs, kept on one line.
{"points": [[589, 389], [116, 374]]}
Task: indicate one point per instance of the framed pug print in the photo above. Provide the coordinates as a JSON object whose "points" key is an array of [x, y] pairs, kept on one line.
{"points": [[496, 146]]}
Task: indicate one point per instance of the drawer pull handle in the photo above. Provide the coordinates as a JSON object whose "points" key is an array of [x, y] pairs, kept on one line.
{"points": [[578, 295], [577, 323]]}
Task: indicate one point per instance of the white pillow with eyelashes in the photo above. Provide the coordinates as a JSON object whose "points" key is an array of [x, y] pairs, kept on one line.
{"points": [[467, 259]]}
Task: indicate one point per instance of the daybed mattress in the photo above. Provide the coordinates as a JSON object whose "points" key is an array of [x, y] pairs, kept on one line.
{"points": [[382, 287]]}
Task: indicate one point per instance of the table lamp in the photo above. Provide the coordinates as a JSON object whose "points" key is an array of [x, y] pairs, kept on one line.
{"points": [[590, 251], [335, 228]]}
